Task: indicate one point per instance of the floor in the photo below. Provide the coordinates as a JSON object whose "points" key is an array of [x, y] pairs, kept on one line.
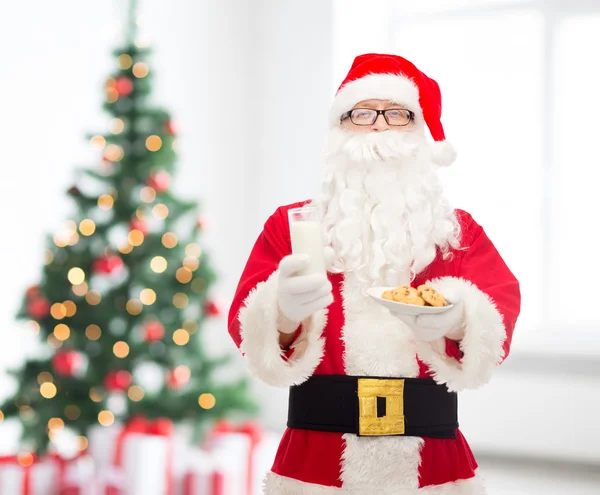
{"points": [[506, 477]]}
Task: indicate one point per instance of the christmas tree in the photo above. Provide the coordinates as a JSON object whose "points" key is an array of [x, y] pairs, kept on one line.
{"points": [[125, 288]]}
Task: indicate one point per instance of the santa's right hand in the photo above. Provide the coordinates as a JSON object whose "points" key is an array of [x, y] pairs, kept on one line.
{"points": [[299, 296]]}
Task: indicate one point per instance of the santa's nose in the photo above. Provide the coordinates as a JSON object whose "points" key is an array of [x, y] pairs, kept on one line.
{"points": [[380, 124]]}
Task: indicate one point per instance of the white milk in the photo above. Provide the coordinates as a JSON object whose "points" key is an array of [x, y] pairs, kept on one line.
{"points": [[307, 238]]}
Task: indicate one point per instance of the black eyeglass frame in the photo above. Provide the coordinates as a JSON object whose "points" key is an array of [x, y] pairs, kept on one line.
{"points": [[348, 115]]}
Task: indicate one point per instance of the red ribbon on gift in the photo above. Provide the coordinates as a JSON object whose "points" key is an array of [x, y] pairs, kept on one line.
{"points": [[254, 432], [138, 424]]}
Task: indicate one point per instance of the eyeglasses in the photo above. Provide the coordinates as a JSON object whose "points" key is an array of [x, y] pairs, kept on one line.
{"points": [[368, 116]]}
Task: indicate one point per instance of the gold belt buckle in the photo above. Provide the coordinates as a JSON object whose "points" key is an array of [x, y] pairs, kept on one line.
{"points": [[392, 423]]}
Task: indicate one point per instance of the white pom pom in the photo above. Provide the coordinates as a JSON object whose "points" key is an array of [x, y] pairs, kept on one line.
{"points": [[443, 153]]}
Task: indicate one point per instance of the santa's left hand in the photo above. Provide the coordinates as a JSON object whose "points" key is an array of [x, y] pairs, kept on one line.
{"points": [[449, 324]]}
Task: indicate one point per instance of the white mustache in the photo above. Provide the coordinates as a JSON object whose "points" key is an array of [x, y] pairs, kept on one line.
{"points": [[375, 146]]}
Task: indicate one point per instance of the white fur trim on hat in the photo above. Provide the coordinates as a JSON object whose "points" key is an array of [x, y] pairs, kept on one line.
{"points": [[393, 87], [443, 153], [259, 319]]}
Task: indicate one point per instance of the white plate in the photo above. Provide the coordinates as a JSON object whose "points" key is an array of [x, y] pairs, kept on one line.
{"points": [[408, 309]]}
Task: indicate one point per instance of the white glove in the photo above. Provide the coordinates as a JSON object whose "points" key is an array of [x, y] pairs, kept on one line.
{"points": [[299, 296], [449, 324]]}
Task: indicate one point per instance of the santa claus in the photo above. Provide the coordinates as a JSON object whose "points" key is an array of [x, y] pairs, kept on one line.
{"points": [[373, 392]]}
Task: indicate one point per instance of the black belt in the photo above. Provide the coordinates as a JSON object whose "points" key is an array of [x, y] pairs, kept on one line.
{"points": [[369, 406]]}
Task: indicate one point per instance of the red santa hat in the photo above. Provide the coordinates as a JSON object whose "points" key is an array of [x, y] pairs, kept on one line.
{"points": [[390, 77]]}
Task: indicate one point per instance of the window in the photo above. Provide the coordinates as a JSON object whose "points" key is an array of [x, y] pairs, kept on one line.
{"points": [[519, 85]]}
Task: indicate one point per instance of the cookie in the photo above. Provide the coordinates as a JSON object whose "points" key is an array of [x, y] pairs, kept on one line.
{"points": [[431, 296], [388, 295], [407, 295]]}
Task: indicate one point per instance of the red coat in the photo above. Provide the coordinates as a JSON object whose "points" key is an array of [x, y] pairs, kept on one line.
{"points": [[356, 336]]}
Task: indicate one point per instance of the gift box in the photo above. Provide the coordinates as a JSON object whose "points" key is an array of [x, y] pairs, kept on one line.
{"points": [[206, 475], [79, 477], [29, 475], [135, 459], [248, 453]]}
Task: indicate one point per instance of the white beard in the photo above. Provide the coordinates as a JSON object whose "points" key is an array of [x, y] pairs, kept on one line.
{"points": [[383, 207]]}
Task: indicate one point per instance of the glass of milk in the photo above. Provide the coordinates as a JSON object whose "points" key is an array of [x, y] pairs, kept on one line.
{"points": [[307, 237]]}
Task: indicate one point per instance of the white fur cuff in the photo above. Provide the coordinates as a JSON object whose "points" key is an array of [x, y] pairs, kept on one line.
{"points": [[482, 344], [259, 319]]}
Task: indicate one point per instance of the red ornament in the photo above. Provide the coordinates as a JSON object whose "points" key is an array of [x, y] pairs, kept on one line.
{"points": [[117, 380], [212, 308], [160, 181], [68, 363], [107, 264], [38, 308], [154, 331], [32, 292], [170, 128], [203, 223], [178, 378], [137, 224], [124, 86]]}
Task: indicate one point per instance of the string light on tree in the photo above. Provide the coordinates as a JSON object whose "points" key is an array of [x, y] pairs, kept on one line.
{"points": [[153, 143], [62, 332], [140, 70], [134, 307], [93, 298], [106, 418], [181, 337], [180, 300], [121, 349], [114, 153], [160, 211], [106, 202], [148, 297], [158, 264], [135, 393], [80, 290], [44, 377], [48, 390], [96, 395], [83, 442], [125, 61], [98, 142], [207, 401], [117, 126], [93, 332], [34, 326], [169, 240], [76, 275], [58, 311], [183, 275], [193, 249], [70, 308], [148, 194], [87, 227]]}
